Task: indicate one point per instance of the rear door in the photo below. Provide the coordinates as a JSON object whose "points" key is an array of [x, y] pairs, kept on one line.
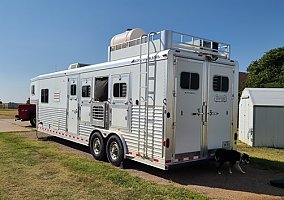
{"points": [[219, 110], [188, 106]]}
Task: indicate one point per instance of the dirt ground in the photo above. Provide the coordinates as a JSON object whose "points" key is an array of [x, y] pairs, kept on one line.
{"points": [[7, 125], [201, 178]]}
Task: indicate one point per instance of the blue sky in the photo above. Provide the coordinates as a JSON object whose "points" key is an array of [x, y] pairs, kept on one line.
{"points": [[42, 36]]}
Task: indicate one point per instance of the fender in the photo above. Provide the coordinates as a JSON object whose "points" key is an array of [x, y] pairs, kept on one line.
{"points": [[123, 143]]}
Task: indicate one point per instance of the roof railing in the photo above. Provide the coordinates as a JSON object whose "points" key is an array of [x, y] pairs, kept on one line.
{"points": [[182, 41]]}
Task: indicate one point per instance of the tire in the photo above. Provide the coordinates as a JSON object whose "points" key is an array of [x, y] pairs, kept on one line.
{"points": [[97, 147], [114, 150], [33, 121]]}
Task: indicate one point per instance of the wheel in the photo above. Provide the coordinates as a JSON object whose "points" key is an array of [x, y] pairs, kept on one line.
{"points": [[97, 147], [33, 121], [115, 153]]}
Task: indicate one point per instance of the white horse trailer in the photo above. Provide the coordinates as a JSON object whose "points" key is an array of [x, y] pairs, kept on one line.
{"points": [[162, 99]]}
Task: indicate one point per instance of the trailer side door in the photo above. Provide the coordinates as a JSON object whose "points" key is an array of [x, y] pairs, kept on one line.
{"points": [[119, 93], [72, 117]]}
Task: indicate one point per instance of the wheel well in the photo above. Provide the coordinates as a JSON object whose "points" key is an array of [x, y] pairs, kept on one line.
{"points": [[108, 136], [32, 113]]}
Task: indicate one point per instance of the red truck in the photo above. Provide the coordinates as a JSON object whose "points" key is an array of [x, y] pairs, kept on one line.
{"points": [[27, 112]]}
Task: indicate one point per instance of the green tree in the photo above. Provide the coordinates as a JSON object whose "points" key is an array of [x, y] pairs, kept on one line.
{"points": [[268, 71]]}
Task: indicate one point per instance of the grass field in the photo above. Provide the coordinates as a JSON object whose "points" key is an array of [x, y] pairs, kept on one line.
{"points": [[32, 169], [264, 157], [8, 112]]}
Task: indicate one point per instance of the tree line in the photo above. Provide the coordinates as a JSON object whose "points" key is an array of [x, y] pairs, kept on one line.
{"points": [[268, 71]]}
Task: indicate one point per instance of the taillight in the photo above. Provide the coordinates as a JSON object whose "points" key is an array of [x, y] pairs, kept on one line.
{"points": [[166, 143]]}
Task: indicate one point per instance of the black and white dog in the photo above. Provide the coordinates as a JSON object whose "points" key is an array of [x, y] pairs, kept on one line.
{"points": [[233, 157]]}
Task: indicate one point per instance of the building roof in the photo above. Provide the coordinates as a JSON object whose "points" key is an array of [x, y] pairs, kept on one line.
{"points": [[265, 96]]}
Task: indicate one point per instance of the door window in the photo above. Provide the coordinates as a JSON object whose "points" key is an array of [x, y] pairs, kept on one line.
{"points": [[221, 83], [73, 90], [189, 80], [86, 91]]}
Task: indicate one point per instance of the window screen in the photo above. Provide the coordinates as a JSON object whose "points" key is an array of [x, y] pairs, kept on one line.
{"points": [[221, 83], [44, 95], [73, 90], [189, 81], [33, 90], [86, 91], [119, 90], [101, 89]]}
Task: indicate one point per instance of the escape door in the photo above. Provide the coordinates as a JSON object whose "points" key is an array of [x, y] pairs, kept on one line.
{"points": [[86, 99], [72, 118], [189, 77], [219, 110], [120, 101]]}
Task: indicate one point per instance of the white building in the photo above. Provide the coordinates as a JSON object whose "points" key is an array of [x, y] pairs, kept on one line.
{"points": [[261, 117]]}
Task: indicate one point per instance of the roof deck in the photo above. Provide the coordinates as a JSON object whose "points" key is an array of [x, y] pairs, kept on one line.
{"points": [[166, 39]]}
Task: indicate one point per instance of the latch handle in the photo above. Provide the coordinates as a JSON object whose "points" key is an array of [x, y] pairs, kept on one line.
{"points": [[212, 113], [198, 112]]}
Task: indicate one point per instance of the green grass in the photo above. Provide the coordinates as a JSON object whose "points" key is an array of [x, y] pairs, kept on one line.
{"points": [[32, 169], [264, 157], [8, 112]]}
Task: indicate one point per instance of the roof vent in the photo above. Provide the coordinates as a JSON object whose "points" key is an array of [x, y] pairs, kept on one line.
{"points": [[77, 65]]}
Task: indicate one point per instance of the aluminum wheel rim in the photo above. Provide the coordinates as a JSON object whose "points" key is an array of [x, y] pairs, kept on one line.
{"points": [[114, 152], [97, 146]]}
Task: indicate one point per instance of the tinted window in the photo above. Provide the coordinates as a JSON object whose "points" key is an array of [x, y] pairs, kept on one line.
{"points": [[86, 91], [73, 90], [189, 81], [44, 96], [119, 90], [221, 83], [194, 81], [33, 89]]}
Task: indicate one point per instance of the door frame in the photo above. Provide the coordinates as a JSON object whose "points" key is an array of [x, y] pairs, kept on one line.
{"points": [[202, 82], [120, 103], [205, 84], [75, 80], [227, 96]]}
